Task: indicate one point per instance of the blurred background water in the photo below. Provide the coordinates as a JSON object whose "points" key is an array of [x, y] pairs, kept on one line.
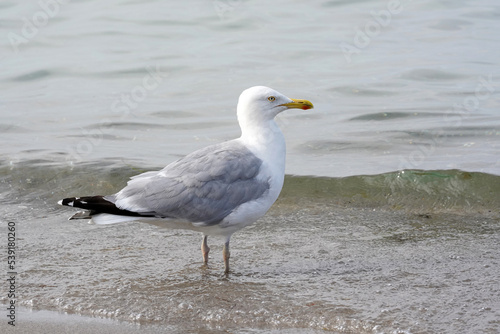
{"points": [[406, 119], [415, 86]]}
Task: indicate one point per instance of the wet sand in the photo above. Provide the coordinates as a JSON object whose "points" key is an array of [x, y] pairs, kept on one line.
{"points": [[51, 322], [54, 322], [309, 265]]}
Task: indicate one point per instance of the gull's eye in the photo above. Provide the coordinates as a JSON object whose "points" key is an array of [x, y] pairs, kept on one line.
{"points": [[271, 98]]}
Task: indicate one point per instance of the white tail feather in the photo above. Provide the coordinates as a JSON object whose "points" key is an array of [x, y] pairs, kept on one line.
{"points": [[106, 219]]}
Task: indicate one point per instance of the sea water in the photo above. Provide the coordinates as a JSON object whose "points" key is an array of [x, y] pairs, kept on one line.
{"points": [[388, 221]]}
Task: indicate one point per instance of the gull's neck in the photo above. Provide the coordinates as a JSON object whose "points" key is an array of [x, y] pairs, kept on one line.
{"points": [[265, 140], [261, 134]]}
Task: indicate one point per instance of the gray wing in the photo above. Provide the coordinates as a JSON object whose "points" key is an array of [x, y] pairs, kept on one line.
{"points": [[203, 187]]}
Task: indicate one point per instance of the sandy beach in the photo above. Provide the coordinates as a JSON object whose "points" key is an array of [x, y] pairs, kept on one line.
{"points": [[51, 322], [45, 322], [314, 263]]}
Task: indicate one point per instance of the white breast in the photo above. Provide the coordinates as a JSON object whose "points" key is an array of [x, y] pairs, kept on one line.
{"points": [[271, 149]]}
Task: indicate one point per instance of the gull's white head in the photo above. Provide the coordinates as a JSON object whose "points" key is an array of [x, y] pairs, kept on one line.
{"points": [[258, 105]]}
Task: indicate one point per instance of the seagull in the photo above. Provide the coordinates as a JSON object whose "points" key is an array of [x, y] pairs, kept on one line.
{"points": [[216, 190]]}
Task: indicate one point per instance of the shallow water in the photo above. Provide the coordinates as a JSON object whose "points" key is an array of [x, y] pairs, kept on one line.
{"points": [[348, 255], [392, 225]]}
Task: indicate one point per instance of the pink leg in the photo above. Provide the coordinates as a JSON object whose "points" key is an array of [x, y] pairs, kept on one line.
{"points": [[225, 255], [204, 250]]}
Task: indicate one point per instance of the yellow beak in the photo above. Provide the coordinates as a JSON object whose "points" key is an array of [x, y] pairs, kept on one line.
{"points": [[299, 104]]}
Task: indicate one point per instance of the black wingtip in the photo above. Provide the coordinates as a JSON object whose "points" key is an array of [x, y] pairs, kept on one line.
{"points": [[98, 204], [88, 203], [67, 201]]}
